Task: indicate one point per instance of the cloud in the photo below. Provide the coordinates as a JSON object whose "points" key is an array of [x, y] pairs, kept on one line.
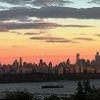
{"points": [[38, 21], [51, 2], [16, 2], [83, 39], [97, 35], [38, 2], [79, 34], [23, 19], [3, 29], [14, 46], [38, 24], [15, 32], [44, 25], [32, 34], [41, 32], [94, 1], [2, 7], [79, 26], [51, 39], [50, 12]]}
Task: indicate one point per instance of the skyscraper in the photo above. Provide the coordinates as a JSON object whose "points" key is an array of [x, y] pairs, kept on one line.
{"points": [[97, 59], [20, 62], [77, 58], [15, 63]]}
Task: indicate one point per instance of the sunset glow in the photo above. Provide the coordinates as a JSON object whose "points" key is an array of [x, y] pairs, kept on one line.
{"points": [[52, 30]]}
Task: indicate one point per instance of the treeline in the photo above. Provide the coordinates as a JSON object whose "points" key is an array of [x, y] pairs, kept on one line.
{"points": [[84, 92], [25, 78], [39, 77]]}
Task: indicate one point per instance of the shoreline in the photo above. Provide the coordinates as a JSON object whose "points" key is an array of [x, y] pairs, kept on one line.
{"points": [[35, 78]]}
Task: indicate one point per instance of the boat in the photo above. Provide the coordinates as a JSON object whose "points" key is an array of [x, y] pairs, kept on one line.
{"points": [[53, 86]]}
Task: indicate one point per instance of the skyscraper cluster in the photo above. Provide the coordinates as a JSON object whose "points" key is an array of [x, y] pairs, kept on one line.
{"points": [[81, 66]]}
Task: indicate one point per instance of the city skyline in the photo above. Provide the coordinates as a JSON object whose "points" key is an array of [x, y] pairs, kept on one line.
{"points": [[78, 58], [63, 67], [52, 30]]}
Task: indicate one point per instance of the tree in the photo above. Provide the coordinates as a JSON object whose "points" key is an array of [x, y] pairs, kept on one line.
{"points": [[87, 87], [52, 97], [79, 95], [18, 95], [86, 92]]}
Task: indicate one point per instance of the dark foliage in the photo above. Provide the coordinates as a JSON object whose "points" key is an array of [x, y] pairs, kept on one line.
{"points": [[52, 97], [86, 92], [18, 95], [41, 77]]}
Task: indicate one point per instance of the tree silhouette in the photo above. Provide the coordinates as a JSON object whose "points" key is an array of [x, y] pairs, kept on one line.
{"points": [[79, 95], [18, 95], [86, 92], [52, 97]]}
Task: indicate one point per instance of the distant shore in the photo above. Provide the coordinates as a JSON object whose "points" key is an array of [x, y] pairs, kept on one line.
{"points": [[26, 78]]}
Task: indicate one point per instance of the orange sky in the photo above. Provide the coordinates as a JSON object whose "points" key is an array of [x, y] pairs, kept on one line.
{"points": [[80, 40]]}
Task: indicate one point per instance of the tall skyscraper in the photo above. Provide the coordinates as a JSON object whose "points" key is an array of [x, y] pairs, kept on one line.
{"points": [[77, 58], [50, 64], [20, 62], [97, 59], [15, 63], [68, 61]]}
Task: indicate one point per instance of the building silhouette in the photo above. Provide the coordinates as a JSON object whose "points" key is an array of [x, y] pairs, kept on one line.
{"points": [[15, 63], [97, 59], [80, 66], [77, 58], [20, 62]]}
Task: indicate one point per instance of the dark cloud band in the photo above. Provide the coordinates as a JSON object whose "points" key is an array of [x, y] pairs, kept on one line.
{"points": [[94, 1], [51, 12], [51, 39], [38, 2], [83, 39], [41, 25]]}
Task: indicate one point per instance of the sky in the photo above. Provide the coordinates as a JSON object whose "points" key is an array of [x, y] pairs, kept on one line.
{"points": [[52, 30]]}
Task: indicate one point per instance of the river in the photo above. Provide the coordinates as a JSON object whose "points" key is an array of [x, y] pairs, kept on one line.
{"points": [[69, 86]]}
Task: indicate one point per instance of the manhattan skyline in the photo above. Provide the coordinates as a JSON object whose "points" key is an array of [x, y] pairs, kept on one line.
{"points": [[52, 30]]}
